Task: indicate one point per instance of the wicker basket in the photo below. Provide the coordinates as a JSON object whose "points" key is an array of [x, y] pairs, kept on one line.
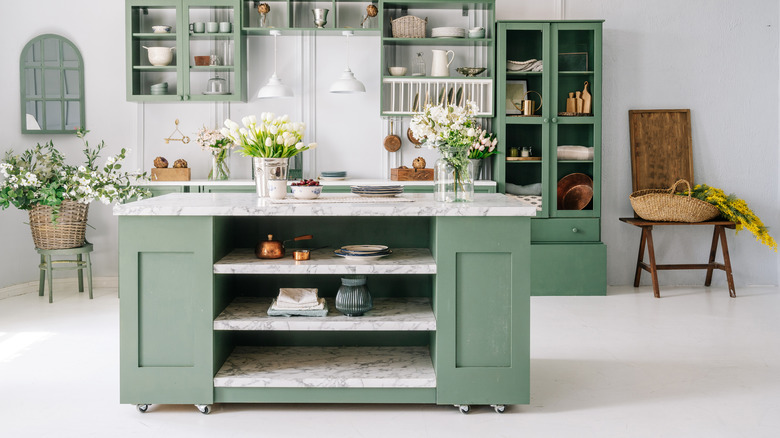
{"points": [[663, 205], [66, 232], [409, 27]]}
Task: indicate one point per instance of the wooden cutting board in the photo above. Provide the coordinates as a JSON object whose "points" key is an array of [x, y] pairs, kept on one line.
{"points": [[661, 148]]}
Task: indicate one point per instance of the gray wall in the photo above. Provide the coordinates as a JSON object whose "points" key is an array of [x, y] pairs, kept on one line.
{"points": [[718, 58]]}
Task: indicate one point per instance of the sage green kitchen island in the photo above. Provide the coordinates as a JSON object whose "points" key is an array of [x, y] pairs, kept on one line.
{"points": [[450, 323]]}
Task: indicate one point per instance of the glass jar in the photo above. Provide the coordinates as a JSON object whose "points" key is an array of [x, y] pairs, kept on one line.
{"points": [[220, 165], [452, 176], [353, 297], [418, 66]]}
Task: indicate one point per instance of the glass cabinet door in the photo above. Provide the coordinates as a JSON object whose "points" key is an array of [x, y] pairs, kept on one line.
{"points": [[523, 109], [575, 113]]}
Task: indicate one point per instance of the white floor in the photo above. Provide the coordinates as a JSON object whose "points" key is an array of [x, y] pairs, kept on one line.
{"points": [[692, 364]]}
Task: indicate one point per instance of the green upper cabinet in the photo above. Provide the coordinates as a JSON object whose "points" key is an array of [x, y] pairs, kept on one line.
{"points": [[205, 45], [412, 30], [570, 55], [298, 15]]}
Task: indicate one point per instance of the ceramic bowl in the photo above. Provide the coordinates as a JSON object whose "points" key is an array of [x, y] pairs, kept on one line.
{"points": [[161, 29], [470, 71], [397, 71], [477, 32], [306, 192], [160, 56]]}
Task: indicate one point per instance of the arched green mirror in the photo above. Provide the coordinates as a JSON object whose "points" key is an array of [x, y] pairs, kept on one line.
{"points": [[52, 86]]}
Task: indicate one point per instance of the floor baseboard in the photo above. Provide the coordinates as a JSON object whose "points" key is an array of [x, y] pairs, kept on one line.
{"points": [[32, 286]]}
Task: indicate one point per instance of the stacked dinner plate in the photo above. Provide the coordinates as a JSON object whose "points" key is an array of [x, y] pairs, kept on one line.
{"points": [[448, 32], [363, 252], [161, 88], [334, 175], [377, 191]]}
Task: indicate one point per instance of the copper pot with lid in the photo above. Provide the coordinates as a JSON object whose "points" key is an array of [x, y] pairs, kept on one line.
{"points": [[274, 249]]}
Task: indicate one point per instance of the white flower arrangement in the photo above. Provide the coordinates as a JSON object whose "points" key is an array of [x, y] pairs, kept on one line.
{"points": [[39, 176], [450, 124], [273, 137]]}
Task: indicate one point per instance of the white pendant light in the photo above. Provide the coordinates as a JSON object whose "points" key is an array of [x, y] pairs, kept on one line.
{"points": [[274, 87], [347, 82]]}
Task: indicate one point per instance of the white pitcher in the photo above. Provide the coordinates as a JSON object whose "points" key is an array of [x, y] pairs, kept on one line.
{"points": [[441, 62]]}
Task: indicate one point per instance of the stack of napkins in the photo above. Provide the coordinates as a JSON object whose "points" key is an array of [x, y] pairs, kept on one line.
{"points": [[298, 301]]}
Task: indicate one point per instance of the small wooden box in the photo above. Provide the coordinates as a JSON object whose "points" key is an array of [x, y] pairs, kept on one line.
{"points": [[399, 174], [172, 174]]}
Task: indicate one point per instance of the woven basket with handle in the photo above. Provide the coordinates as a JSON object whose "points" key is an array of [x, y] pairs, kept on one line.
{"points": [[67, 231], [408, 26], [663, 205]]}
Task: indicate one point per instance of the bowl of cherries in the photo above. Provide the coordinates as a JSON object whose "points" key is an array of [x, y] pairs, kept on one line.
{"points": [[306, 189]]}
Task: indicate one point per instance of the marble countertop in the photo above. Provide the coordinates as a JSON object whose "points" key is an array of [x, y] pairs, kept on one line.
{"points": [[248, 204], [388, 314], [327, 367], [345, 182]]}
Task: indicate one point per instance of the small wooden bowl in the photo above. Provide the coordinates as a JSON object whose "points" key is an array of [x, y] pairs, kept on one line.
{"points": [[202, 60], [575, 191]]}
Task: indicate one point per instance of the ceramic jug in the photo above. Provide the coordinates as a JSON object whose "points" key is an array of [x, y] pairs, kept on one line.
{"points": [[441, 62]]}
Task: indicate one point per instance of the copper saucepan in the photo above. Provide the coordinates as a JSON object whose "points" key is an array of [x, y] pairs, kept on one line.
{"points": [[274, 249]]}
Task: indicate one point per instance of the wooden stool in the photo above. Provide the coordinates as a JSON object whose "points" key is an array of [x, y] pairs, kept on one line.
{"points": [[48, 265], [647, 237]]}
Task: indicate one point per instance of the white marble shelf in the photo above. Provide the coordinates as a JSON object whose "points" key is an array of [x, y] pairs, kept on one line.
{"points": [[327, 367], [388, 314], [324, 261]]}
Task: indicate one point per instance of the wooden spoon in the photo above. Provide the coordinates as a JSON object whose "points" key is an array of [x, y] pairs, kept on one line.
{"points": [[392, 142]]}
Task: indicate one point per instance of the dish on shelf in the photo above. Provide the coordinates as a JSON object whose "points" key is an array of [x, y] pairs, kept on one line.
{"points": [[528, 65], [377, 191], [211, 93], [574, 191], [363, 257], [306, 192], [335, 173], [356, 249], [161, 29], [332, 178], [448, 32], [470, 72]]}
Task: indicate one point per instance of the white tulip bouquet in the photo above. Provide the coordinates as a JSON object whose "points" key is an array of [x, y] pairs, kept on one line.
{"points": [[273, 137]]}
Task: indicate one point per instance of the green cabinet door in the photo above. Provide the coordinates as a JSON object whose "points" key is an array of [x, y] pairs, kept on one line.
{"points": [[166, 311], [481, 302]]}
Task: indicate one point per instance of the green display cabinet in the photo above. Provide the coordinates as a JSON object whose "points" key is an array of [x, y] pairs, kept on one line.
{"points": [[571, 259], [221, 54]]}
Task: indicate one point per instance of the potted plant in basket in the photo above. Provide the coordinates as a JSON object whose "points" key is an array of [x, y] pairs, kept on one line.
{"points": [[57, 195], [271, 143]]}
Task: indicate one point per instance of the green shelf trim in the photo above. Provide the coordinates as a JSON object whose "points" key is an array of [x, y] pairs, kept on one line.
{"points": [[154, 36], [297, 31], [438, 41], [210, 68], [513, 74], [154, 68], [520, 120], [525, 162], [575, 73], [439, 78], [211, 36], [575, 161], [577, 120], [446, 4]]}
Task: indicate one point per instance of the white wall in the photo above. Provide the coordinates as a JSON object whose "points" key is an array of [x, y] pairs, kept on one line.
{"points": [[718, 58]]}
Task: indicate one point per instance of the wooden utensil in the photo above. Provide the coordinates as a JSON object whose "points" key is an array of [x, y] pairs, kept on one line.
{"points": [[392, 142], [586, 99], [417, 143]]}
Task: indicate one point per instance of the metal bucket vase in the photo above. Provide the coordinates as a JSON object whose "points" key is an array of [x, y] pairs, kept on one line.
{"points": [[269, 169]]}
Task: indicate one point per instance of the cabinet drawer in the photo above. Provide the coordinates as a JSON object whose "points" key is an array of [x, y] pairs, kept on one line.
{"points": [[565, 230], [568, 269]]}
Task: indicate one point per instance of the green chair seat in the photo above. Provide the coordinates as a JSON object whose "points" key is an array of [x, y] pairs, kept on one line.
{"points": [[81, 263]]}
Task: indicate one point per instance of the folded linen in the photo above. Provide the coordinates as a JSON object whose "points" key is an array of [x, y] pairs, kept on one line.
{"points": [[298, 296], [575, 153], [272, 311], [319, 305]]}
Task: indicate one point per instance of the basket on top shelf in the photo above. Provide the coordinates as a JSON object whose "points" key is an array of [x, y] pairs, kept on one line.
{"points": [[409, 26], [663, 205]]}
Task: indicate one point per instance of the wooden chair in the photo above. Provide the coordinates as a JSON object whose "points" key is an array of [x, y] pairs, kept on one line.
{"points": [[47, 266], [661, 153]]}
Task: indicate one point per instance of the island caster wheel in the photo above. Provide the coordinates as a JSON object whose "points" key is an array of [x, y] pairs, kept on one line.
{"points": [[464, 409], [204, 409], [498, 408], [142, 408]]}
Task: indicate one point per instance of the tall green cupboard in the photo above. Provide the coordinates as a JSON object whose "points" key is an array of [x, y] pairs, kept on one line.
{"points": [[568, 255]]}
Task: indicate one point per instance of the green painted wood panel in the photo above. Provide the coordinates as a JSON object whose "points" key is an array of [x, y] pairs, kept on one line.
{"points": [[325, 395], [487, 303], [569, 269], [565, 230], [166, 309]]}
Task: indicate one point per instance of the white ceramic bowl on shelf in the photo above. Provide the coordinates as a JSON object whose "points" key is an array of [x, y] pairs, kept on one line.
{"points": [[161, 29], [397, 71], [160, 56], [306, 192]]}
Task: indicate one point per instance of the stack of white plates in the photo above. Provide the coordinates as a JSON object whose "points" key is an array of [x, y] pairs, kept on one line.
{"points": [[334, 175], [448, 32], [363, 252], [161, 88], [377, 191]]}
